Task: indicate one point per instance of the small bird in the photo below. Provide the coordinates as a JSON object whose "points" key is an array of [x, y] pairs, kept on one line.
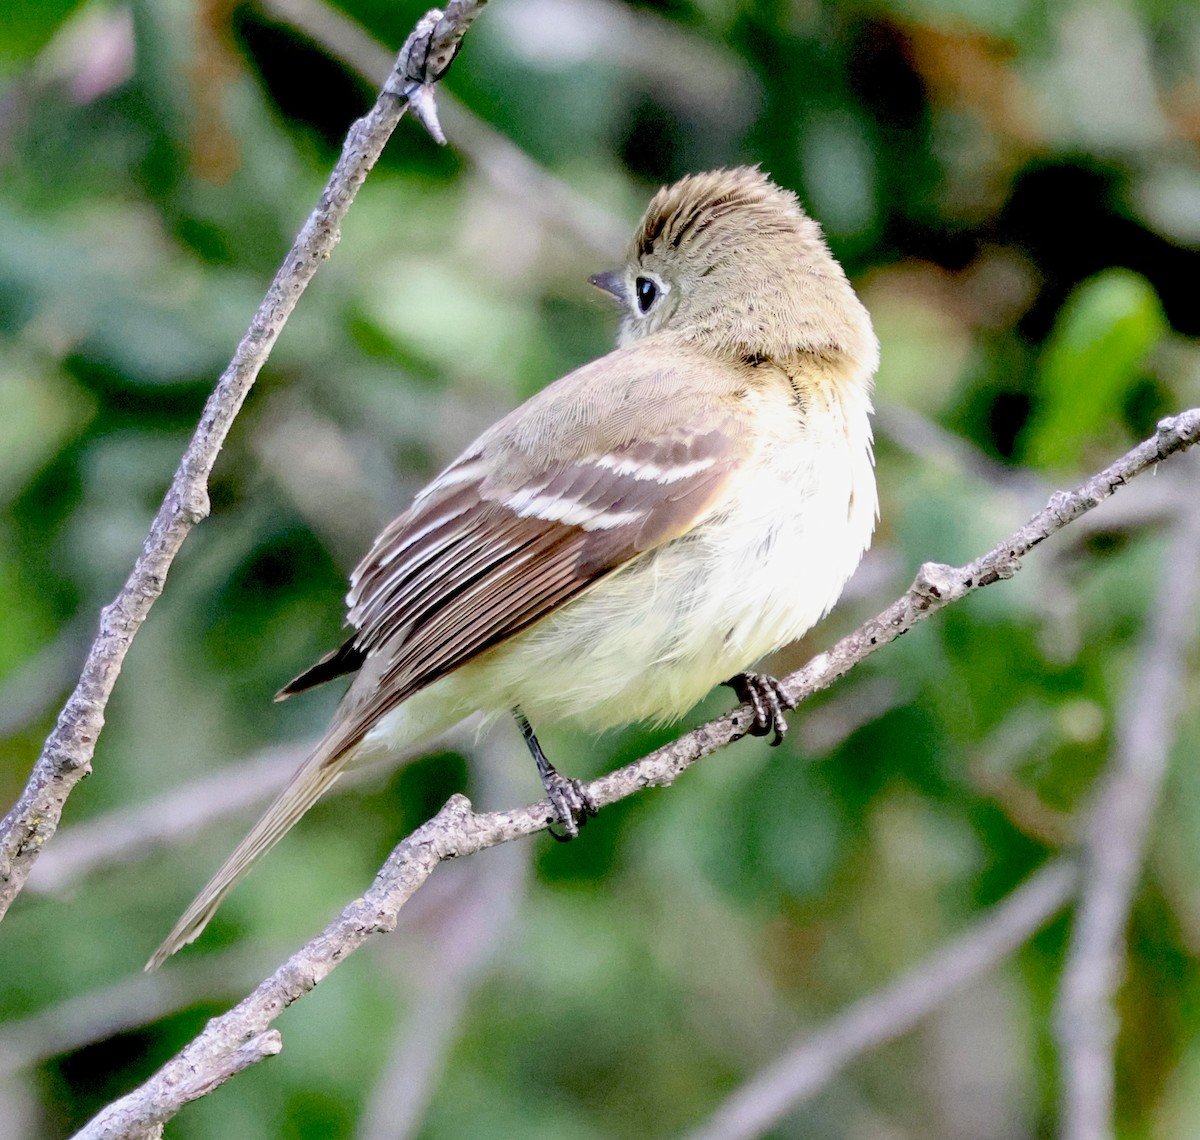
{"points": [[641, 530]]}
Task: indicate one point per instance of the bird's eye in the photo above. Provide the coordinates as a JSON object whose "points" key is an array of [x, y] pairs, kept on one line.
{"points": [[647, 293]]}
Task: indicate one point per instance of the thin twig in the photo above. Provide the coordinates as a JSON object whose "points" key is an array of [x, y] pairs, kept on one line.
{"points": [[887, 1014], [67, 755], [1115, 837], [498, 159], [459, 947], [122, 1007], [457, 831], [128, 834]]}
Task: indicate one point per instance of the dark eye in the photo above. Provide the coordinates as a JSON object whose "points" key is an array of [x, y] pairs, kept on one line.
{"points": [[647, 293]]}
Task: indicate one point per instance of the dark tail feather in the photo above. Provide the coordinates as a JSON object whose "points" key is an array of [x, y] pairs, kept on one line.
{"points": [[336, 663]]}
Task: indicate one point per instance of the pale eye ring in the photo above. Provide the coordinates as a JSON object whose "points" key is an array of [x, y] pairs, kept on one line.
{"points": [[647, 291]]}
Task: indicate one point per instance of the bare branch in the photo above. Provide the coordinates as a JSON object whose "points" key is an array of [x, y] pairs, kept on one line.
{"points": [[128, 834], [883, 1016], [457, 831], [123, 1006], [457, 950], [67, 755], [1114, 841], [498, 159]]}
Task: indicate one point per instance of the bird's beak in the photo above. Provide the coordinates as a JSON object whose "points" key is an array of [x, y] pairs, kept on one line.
{"points": [[611, 282]]}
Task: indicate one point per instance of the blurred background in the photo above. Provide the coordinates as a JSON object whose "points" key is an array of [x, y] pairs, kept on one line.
{"points": [[1014, 186]]}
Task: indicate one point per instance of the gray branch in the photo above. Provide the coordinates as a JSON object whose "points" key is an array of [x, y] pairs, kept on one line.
{"points": [[67, 755], [457, 831], [458, 947], [1114, 841], [883, 1016], [128, 834], [499, 160]]}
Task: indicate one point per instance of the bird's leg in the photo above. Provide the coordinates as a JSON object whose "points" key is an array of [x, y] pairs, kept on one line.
{"points": [[768, 698], [572, 804]]}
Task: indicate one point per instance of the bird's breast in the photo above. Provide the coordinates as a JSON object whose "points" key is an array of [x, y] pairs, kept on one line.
{"points": [[770, 560]]}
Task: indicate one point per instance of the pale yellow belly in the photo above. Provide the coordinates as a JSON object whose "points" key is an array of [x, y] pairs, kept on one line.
{"points": [[654, 638], [650, 640]]}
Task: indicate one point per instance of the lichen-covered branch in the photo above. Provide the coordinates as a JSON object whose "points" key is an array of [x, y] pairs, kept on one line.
{"points": [[457, 831], [67, 755]]}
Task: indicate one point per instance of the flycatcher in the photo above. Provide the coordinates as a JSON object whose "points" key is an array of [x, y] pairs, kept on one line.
{"points": [[644, 528]]}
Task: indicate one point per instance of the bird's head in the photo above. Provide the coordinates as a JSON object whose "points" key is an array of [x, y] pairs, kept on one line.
{"points": [[732, 262]]}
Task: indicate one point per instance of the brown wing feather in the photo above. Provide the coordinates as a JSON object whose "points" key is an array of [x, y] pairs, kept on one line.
{"points": [[448, 584], [573, 488]]}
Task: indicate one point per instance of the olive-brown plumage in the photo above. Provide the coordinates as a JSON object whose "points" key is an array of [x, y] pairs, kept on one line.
{"points": [[642, 529]]}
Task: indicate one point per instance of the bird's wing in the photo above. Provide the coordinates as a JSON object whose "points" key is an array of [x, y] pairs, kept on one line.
{"points": [[534, 513], [482, 556]]}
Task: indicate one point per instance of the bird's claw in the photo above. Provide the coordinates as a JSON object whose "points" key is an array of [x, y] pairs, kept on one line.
{"points": [[769, 700], [573, 805]]}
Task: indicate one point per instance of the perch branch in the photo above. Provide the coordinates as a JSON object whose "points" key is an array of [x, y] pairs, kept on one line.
{"points": [[1114, 841], [457, 831], [464, 937], [67, 755]]}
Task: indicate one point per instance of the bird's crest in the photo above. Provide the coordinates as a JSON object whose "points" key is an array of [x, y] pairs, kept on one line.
{"points": [[688, 207]]}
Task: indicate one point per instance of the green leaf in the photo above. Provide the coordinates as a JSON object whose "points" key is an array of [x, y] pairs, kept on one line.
{"points": [[1091, 360], [39, 409], [28, 26]]}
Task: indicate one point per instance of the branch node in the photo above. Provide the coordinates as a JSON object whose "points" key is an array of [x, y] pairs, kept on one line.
{"points": [[426, 57], [456, 809], [447, 828], [1168, 430], [193, 505], [935, 582]]}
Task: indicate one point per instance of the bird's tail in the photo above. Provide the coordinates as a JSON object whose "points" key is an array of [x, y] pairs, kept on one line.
{"points": [[309, 783]]}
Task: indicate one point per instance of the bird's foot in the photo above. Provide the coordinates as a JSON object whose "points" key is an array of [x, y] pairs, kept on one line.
{"points": [[573, 805], [769, 700]]}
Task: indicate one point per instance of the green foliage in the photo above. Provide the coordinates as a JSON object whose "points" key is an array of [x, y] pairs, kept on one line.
{"points": [[1024, 235], [1090, 364], [29, 26]]}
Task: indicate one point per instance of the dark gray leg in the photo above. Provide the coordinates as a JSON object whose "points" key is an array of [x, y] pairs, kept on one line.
{"points": [[572, 804]]}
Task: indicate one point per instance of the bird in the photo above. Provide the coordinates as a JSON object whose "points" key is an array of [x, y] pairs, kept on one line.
{"points": [[639, 531]]}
